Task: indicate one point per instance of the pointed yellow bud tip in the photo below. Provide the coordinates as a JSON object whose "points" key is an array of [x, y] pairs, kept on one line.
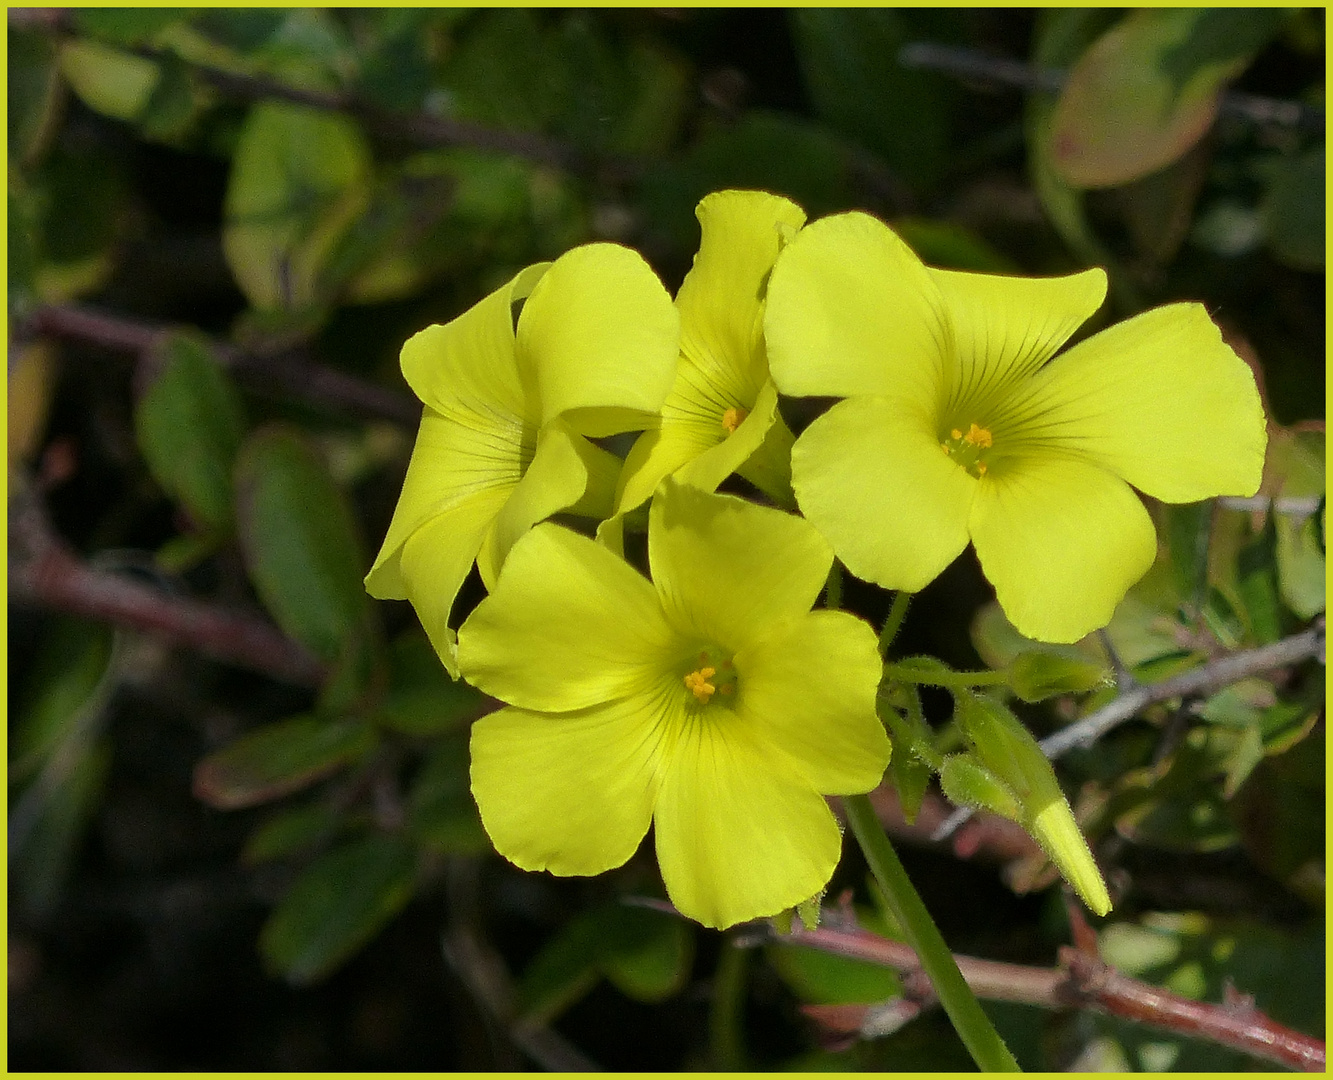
{"points": [[733, 418]]}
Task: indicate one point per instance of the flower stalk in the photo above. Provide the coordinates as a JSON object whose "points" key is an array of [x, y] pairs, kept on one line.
{"points": [[983, 1042]]}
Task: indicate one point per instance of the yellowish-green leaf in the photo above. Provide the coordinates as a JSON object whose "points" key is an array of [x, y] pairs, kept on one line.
{"points": [[300, 177], [1148, 89]]}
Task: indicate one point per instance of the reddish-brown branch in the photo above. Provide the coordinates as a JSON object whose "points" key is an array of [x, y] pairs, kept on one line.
{"points": [[1081, 981], [287, 374], [44, 571]]}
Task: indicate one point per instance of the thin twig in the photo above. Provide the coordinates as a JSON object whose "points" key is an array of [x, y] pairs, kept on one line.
{"points": [[287, 373], [1211, 676], [1136, 696], [44, 571], [1299, 506], [973, 64], [1081, 981]]}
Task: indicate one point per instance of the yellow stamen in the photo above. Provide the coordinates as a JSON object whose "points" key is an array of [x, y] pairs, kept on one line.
{"points": [[733, 418], [981, 468], [698, 684], [956, 434], [977, 436]]}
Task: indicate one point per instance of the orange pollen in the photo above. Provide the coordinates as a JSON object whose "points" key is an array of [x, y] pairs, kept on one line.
{"points": [[977, 436], [733, 418], [698, 684]]}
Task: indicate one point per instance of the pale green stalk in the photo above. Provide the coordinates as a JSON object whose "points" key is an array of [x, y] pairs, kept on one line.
{"points": [[961, 1005]]}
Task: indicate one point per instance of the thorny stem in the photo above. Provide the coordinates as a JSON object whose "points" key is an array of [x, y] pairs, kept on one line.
{"points": [[973, 1026], [1081, 981]]}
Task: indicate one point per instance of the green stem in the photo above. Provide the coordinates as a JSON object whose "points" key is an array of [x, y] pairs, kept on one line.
{"points": [[897, 612], [728, 1008], [973, 1026], [953, 680]]}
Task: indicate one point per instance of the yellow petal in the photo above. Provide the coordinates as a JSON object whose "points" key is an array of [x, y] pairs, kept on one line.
{"points": [[1006, 327], [568, 625], [728, 570], [599, 337], [739, 834], [870, 475], [556, 479], [808, 690], [852, 310], [454, 460], [470, 364], [1062, 541], [1161, 400], [571, 793], [720, 300], [435, 561]]}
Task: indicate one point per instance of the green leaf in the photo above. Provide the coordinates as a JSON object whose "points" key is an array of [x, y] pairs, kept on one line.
{"points": [[441, 812], [849, 63], [336, 906], [1256, 573], [300, 178], [291, 832], [1188, 530], [34, 93], [1061, 35], [84, 197], [41, 859], [949, 244], [999, 644], [824, 978], [423, 701], [646, 954], [68, 681], [563, 971], [300, 541], [1292, 209], [1147, 90], [188, 424], [967, 782], [110, 81], [767, 150], [126, 26], [279, 759], [1296, 459], [1035, 676]]}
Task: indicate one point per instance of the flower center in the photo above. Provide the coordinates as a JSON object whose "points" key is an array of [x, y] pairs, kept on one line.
{"points": [[734, 418], [968, 448], [711, 674]]}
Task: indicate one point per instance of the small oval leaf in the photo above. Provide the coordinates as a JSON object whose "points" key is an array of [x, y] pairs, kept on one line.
{"points": [[299, 540], [279, 759], [336, 906], [188, 423]]}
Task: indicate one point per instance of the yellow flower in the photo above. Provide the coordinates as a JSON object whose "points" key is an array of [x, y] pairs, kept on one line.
{"points": [[710, 702], [721, 415], [957, 425], [509, 410]]}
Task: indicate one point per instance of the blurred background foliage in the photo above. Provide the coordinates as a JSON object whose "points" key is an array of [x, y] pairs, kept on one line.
{"points": [[282, 868]]}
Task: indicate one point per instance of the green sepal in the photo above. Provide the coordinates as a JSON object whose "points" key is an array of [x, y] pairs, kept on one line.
{"points": [[967, 782], [1008, 751]]}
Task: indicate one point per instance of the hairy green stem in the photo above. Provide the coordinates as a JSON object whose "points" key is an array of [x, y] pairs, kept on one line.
{"points": [[961, 1005], [953, 680], [897, 612]]}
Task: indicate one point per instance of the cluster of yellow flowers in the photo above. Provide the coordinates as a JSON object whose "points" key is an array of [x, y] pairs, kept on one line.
{"points": [[711, 702]]}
